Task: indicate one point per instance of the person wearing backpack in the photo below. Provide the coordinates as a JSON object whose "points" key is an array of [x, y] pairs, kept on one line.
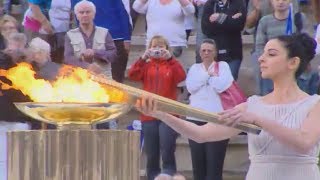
{"points": [[279, 23]]}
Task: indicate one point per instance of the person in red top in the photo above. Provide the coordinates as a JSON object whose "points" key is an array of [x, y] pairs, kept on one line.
{"points": [[160, 73]]}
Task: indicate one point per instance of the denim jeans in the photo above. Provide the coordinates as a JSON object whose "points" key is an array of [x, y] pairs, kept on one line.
{"points": [[159, 139], [234, 67]]}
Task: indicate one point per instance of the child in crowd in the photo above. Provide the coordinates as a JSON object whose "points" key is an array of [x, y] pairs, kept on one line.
{"points": [[160, 73]]}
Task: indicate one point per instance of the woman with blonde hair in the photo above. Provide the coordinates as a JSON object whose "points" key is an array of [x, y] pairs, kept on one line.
{"points": [[159, 73], [8, 25]]}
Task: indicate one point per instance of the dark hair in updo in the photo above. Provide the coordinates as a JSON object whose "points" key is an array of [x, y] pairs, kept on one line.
{"points": [[299, 45]]}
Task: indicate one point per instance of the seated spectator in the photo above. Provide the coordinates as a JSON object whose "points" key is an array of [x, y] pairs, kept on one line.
{"points": [[170, 24], [159, 73], [40, 58], [44, 67], [8, 25]]}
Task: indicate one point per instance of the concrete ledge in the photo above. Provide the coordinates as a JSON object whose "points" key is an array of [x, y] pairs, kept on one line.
{"points": [[236, 160]]}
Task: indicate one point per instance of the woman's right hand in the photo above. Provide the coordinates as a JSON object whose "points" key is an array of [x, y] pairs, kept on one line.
{"points": [[148, 106], [47, 27], [146, 55]]}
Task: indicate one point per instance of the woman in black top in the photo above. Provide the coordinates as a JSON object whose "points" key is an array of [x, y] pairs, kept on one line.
{"points": [[223, 21]]}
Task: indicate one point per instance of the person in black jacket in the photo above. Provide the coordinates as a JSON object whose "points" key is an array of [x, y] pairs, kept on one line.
{"points": [[10, 117], [8, 112], [223, 21]]}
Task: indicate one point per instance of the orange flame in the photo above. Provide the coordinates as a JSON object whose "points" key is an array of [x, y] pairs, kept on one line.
{"points": [[72, 85]]}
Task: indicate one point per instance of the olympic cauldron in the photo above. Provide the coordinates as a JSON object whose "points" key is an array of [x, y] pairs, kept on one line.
{"points": [[77, 151]]}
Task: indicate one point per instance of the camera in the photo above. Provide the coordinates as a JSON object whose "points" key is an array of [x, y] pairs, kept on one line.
{"points": [[156, 53]]}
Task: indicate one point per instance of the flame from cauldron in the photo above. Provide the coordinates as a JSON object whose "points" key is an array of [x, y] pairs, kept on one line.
{"points": [[73, 84]]}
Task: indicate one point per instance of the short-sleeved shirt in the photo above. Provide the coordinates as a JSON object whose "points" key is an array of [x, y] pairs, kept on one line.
{"points": [[43, 4]]}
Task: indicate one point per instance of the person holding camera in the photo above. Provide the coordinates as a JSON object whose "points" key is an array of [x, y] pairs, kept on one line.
{"points": [[160, 74]]}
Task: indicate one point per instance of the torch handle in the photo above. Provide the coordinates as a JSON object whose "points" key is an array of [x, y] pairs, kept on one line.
{"points": [[174, 107]]}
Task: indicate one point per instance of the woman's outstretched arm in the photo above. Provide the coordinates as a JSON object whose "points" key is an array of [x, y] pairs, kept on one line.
{"points": [[200, 134]]}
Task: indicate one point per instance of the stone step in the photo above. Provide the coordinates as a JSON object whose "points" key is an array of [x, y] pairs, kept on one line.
{"points": [[140, 40], [236, 161]]}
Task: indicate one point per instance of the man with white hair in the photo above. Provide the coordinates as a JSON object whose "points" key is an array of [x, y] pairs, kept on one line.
{"points": [[89, 46], [115, 16]]}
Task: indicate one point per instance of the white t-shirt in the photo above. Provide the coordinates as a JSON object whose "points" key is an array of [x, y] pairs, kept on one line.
{"points": [[189, 22], [165, 20], [60, 15]]}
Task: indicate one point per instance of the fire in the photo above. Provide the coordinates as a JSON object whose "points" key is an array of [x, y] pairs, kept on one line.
{"points": [[72, 85]]}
